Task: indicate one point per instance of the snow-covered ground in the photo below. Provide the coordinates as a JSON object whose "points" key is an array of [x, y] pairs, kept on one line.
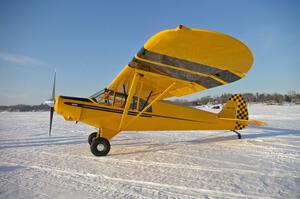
{"points": [[194, 164]]}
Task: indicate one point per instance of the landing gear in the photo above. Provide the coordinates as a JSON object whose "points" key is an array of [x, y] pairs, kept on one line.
{"points": [[91, 137], [239, 135], [100, 146]]}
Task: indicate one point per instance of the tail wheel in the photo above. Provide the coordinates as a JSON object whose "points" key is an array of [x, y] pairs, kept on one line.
{"points": [[100, 146], [91, 137]]}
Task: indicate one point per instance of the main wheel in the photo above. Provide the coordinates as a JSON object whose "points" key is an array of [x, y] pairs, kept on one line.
{"points": [[100, 146], [91, 137]]}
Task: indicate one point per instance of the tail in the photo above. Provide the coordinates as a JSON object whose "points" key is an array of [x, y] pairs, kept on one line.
{"points": [[236, 109]]}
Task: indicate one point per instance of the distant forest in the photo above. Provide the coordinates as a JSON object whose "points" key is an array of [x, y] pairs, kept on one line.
{"points": [[25, 108], [275, 98], [290, 97]]}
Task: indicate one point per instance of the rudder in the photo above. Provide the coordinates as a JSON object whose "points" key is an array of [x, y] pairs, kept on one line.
{"points": [[236, 108]]}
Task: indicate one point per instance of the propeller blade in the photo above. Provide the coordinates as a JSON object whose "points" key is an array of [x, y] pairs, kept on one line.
{"points": [[51, 118], [53, 89], [51, 104]]}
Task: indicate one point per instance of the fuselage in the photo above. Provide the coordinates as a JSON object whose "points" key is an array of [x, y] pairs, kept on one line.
{"points": [[161, 116]]}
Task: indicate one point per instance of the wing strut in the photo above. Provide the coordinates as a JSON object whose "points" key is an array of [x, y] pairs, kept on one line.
{"points": [[151, 103], [147, 100], [129, 97]]}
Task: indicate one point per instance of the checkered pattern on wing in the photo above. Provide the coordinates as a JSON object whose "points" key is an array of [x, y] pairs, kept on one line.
{"points": [[242, 111]]}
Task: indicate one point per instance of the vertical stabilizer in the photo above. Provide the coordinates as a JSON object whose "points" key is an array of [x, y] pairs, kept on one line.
{"points": [[236, 108]]}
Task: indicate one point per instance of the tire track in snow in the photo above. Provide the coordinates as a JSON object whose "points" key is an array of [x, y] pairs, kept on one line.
{"points": [[281, 173], [69, 173], [18, 185], [268, 148], [168, 186]]}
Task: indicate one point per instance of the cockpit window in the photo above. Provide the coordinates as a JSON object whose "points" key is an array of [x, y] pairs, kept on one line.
{"points": [[102, 97], [142, 104], [115, 99]]}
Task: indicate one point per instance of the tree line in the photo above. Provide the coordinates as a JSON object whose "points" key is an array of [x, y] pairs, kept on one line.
{"points": [[275, 98], [25, 108]]}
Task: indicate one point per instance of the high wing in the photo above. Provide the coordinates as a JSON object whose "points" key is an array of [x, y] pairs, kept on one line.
{"points": [[190, 60]]}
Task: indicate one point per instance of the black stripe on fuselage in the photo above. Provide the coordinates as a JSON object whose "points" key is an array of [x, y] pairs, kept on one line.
{"points": [[104, 109], [224, 75], [121, 111]]}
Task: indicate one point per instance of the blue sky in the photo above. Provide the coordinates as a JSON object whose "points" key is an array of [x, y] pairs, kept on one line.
{"points": [[89, 42]]}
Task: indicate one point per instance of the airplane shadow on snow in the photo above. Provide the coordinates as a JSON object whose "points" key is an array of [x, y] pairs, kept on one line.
{"points": [[217, 137], [267, 132]]}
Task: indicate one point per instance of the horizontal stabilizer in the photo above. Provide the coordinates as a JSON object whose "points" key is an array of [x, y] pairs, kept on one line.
{"points": [[253, 122]]}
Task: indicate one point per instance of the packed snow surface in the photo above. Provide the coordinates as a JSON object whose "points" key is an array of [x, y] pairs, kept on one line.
{"points": [[193, 164]]}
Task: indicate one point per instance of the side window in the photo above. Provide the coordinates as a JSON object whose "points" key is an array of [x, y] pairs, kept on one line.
{"points": [[134, 104], [109, 98], [143, 104], [119, 100]]}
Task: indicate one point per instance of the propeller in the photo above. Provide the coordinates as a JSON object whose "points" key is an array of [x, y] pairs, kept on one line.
{"points": [[51, 102]]}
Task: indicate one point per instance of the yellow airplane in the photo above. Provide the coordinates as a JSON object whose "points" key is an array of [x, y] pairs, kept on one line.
{"points": [[172, 63]]}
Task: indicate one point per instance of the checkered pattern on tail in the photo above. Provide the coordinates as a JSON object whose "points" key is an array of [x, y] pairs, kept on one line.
{"points": [[242, 111]]}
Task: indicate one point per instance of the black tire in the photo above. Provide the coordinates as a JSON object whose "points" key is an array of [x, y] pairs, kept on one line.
{"points": [[100, 142], [91, 137]]}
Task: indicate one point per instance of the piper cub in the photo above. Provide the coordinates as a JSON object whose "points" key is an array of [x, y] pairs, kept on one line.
{"points": [[172, 63]]}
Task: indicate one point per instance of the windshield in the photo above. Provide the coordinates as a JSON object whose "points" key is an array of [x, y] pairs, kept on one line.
{"points": [[97, 94], [101, 97]]}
